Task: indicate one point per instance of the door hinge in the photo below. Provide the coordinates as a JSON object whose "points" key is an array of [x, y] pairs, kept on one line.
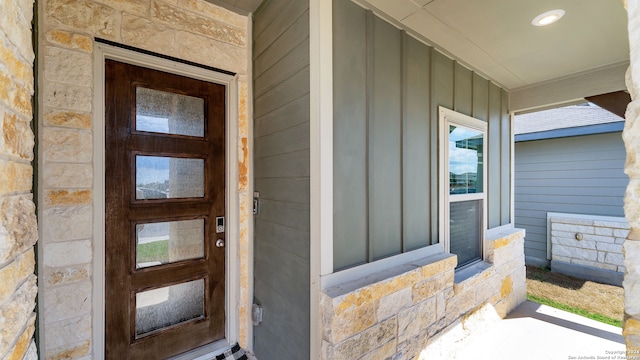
{"points": [[256, 314], [256, 203]]}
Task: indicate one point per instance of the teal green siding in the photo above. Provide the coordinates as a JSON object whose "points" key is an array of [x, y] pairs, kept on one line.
{"points": [[387, 89]]}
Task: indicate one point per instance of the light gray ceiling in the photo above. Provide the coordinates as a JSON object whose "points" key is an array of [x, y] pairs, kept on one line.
{"points": [[497, 38], [585, 53]]}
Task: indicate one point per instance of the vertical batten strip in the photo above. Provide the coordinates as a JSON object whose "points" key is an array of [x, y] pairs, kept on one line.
{"points": [[369, 115]]}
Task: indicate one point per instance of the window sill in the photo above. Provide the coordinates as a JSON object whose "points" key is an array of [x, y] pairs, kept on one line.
{"points": [[470, 271]]}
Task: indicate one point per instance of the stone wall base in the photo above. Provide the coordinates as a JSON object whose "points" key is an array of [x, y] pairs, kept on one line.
{"points": [[403, 316]]}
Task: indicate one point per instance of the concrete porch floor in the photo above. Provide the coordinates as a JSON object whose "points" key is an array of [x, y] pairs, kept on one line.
{"points": [[534, 331]]}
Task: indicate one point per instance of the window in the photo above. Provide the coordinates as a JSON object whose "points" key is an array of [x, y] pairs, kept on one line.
{"points": [[463, 142]]}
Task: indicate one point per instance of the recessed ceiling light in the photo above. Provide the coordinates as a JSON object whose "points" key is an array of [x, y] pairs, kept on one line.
{"points": [[548, 17]]}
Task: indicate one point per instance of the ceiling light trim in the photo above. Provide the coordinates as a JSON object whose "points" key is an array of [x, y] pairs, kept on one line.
{"points": [[548, 17]]}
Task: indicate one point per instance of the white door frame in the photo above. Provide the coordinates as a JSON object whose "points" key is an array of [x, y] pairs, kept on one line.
{"points": [[232, 276]]}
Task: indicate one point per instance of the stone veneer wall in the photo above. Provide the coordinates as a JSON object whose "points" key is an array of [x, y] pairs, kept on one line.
{"points": [[592, 241], [18, 228], [408, 309], [631, 137], [193, 30]]}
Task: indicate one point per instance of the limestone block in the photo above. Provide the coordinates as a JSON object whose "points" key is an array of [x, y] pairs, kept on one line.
{"points": [[604, 231], [17, 137], [20, 101], [68, 97], [616, 248], [206, 51], [507, 253], [412, 321], [71, 351], [393, 303], [575, 253], [571, 241], [584, 262], [68, 119], [632, 195], [15, 177], [15, 273], [16, 312], [67, 223], [15, 20], [69, 40], [83, 15], [66, 275], [67, 197], [601, 256], [562, 258], [192, 22], [64, 175], [572, 228], [621, 233], [488, 290], [68, 66], [427, 288], [68, 331], [18, 229], [570, 221], [67, 253], [441, 305], [351, 321], [439, 267], [66, 302], [366, 341], [600, 265], [67, 145], [459, 305], [614, 259], [138, 7], [144, 33], [215, 12], [20, 349], [620, 240], [21, 70], [410, 349], [612, 224], [383, 352]]}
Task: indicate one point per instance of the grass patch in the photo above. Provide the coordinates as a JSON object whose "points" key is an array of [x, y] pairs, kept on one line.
{"points": [[153, 251], [574, 310]]}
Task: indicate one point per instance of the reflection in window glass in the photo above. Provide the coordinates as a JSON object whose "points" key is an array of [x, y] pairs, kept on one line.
{"points": [[166, 177], [466, 149], [169, 113], [166, 242], [160, 308]]}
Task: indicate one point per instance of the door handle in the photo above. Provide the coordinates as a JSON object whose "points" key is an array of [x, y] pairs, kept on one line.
{"points": [[220, 243]]}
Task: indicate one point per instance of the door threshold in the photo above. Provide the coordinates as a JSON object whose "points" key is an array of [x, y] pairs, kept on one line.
{"points": [[205, 352]]}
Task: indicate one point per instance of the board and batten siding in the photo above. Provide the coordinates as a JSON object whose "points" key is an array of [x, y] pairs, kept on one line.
{"points": [[281, 163], [577, 175], [387, 89]]}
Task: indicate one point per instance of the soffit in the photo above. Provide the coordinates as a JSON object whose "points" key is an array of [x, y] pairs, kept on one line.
{"points": [[496, 38]]}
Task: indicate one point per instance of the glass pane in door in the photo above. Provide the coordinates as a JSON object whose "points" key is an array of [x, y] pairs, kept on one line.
{"points": [[168, 177], [169, 113], [167, 306], [166, 242]]}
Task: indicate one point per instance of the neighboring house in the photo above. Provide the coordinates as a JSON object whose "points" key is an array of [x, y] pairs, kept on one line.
{"points": [[567, 160], [306, 178]]}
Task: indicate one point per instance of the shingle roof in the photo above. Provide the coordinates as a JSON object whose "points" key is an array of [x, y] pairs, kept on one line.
{"points": [[562, 118]]}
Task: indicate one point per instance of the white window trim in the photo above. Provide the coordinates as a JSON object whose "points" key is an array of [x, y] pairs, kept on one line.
{"points": [[232, 277], [447, 117]]}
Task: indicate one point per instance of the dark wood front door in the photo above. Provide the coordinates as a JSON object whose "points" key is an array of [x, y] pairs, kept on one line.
{"points": [[165, 203]]}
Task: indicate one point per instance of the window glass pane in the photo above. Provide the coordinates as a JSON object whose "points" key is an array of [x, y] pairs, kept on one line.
{"points": [[169, 113], [465, 230], [166, 177], [167, 242], [466, 149], [160, 308]]}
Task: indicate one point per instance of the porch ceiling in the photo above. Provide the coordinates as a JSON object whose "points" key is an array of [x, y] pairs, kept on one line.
{"points": [[497, 38], [583, 54]]}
